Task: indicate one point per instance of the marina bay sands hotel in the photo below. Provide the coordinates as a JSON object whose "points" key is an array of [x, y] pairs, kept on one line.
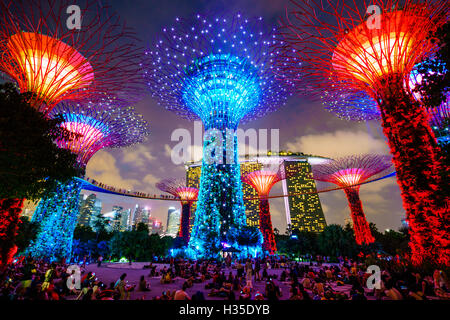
{"points": [[303, 211]]}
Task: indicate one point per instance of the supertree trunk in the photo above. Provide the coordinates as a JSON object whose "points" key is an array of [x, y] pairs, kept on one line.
{"points": [[10, 210], [363, 235], [184, 223], [265, 225], [220, 206], [57, 224], [416, 158]]}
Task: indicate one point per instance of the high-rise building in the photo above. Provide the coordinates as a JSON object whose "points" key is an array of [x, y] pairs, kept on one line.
{"points": [[86, 206], [154, 226], [193, 173], [251, 197], [124, 226], [140, 215], [117, 219], [303, 212], [96, 213], [173, 222]]}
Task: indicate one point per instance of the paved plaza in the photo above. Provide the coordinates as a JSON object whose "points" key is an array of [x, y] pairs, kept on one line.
{"points": [[110, 272]]}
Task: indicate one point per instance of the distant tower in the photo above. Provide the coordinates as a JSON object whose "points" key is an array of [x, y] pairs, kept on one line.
{"points": [[186, 195], [263, 181], [349, 172]]}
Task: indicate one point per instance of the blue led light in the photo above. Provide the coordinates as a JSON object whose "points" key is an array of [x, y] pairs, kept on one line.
{"points": [[223, 72], [58, 217], [221, 89]]}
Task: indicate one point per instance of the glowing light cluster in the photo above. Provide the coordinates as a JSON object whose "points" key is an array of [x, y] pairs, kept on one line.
{"points": [[340, 45], [93, 126], [213, 68], [50, 74], [55, 63], [220, 70], [57, 218], [351, 170], [99, 125], [347, 105], [439, 116], [348, 172], [178, 189], [263, 180]]}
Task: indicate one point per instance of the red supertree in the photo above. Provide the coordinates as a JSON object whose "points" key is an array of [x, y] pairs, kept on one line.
{"points": [[263, 181], [186, 195], [344, 47], [349, 172], [43, 56]]}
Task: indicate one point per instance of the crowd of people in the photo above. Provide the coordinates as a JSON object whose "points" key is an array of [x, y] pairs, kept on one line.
{"points": [[251, 279]]}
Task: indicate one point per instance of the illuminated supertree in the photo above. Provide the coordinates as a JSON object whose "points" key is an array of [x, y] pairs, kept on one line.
{"points": [[187, 195], [349, 172], [93, 127], [45, 55], [340, 45], [263, 181], [219, 70]]}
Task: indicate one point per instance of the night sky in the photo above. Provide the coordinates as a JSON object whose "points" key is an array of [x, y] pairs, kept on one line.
{"points": [[305, 126]]}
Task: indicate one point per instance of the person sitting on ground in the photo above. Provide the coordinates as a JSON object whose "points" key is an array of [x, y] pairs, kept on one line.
{"points": [[181, 294], [143, 285]]}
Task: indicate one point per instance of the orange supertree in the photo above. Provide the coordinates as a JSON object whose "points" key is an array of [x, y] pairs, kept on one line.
{"points": [[186, 195], [349, 172], [263, 181], [46, 55], [343, 46]]}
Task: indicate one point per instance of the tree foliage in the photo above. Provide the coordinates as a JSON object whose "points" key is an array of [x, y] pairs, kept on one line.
{"points": [[31, 163]]}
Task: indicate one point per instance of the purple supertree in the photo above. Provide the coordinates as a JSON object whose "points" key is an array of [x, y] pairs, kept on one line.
{"points": [[92, 126], [349, 172], [219, 70], [186, 195]]}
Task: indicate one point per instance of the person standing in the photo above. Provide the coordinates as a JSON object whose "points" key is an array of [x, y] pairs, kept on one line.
{"points": [[99, 261], [257, 270]]}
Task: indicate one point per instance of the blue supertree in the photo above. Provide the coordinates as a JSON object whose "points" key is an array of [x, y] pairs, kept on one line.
{"points": [[219, 70], [91, 127]]}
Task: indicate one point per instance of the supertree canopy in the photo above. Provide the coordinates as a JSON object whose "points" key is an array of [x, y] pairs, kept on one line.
{"points": [[439, 115], [93, 126], [349, 172], [187, 195], [340, 45], [263, 181], [54, 62], [220, 70]]}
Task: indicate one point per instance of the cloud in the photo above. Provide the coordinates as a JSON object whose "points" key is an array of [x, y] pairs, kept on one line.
{"points": [[102, 167], [138, 156], [338, 143], [149, 182]]}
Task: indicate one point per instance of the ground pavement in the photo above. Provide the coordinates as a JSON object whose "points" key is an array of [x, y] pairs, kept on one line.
{"points": [[110, 272]]}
